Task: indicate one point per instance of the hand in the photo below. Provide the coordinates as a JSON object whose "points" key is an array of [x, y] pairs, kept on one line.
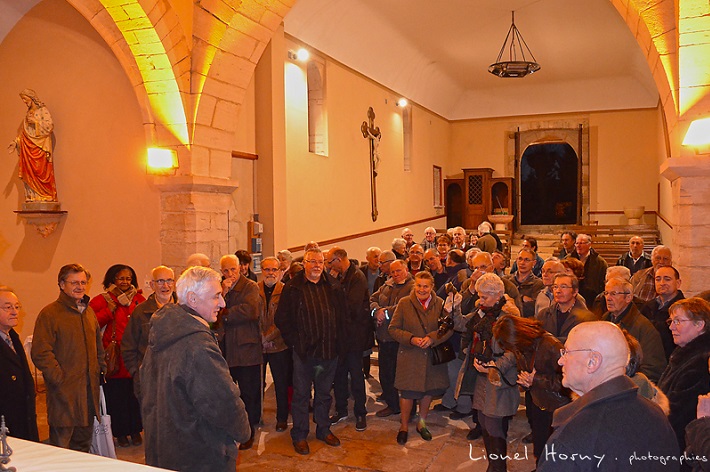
{"points": [[449, 303], [425, 342], [380, 316], [527, 299], [525, 379], [227, 284], [703, 405], [481, 367]]}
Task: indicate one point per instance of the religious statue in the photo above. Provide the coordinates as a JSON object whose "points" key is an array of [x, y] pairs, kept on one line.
{"points": [[34, 147], [374, 136]]}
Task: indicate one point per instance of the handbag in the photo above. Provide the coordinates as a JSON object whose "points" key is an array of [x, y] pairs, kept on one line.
{"points": [[440, 353], [102, 441], [113, 354]]}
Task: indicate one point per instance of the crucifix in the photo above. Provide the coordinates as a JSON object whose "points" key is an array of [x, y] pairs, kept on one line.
{"points": [[372, 133]]}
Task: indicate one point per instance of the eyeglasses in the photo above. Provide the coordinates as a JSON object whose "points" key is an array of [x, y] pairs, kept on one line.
{"points": [[561, 287], [387, 262], [675, 321], [269, 269], [9, 308], [314, 262], [76, 283], [614, 293], [416, 253], [524, 259], [164, 281], [564, 352]]}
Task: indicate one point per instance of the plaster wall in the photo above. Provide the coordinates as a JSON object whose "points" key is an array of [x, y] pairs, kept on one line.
{"points": [[113, 212]]}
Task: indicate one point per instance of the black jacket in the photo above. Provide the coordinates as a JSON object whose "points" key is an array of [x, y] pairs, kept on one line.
{"points": [[357, 322], [658, 316], [17, 391]]}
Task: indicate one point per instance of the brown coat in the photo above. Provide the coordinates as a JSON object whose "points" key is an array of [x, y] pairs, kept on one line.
{"points": [[269, 332], [415, 371], [241, 338], [66, 345]]}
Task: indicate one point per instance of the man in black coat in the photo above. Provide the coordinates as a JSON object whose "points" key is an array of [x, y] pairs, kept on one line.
{"points": [[610, 427], [359, 330], [17, 389], [667, 283]]}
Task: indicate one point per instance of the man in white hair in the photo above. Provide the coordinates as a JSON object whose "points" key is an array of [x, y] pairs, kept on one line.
{"points": [[429, 241], [486, 242], [610, 427]]}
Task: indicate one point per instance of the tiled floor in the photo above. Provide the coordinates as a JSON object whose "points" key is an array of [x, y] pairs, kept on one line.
{"points": [[375, 449]]}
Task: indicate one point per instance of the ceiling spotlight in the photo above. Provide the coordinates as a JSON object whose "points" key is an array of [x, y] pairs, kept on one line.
{"points": [[402, 102], [517, 64]]}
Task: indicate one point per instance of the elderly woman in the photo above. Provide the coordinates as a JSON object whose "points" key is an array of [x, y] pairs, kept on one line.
{"points": [[536, 352], [415, 326], [113, 309], [489, 373], [686, 375]]}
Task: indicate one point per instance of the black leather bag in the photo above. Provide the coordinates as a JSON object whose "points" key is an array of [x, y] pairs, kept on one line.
{"points": [[442, 353]]}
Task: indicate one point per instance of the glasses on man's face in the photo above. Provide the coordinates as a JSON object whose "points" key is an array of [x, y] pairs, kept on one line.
{"points": [[524, 259], [564, 352], [9, 307], [164, 281], [416, 253], [314, 262], [269, 269], [561, 287], [675, 321], [614, 293], [386, 262], [76, 283]]}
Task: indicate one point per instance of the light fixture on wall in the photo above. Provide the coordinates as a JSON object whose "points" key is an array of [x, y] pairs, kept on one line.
{"points": [[402, 102], [162, 161], [517, 64], [301, 55], [698, 136]]}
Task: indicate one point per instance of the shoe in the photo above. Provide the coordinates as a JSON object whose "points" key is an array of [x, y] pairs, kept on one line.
{"points": [[402, 438], [441, 407], [528, 439], [385, 412], [136, 439], [424, 433], [281, 426], [331, 440], [301, 447], [248, 444], [475, 433], [457, 415], [338, 417], [360, 423], [123, 441]]}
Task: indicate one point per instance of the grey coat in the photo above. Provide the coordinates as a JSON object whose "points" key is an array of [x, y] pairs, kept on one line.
{"points": [[415, 371], [387, 297]]}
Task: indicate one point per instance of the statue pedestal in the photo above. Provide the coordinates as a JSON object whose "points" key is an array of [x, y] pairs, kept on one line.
{"points": [[44, 216]]}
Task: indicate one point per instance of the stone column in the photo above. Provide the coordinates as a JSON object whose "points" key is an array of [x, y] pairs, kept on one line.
{"points": [[691, 228]]}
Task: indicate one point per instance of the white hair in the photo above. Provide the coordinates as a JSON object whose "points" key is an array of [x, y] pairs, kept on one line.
{"points": [[195, 279]]}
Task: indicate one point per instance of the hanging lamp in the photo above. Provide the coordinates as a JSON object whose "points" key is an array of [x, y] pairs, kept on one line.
{"points": [[517, 64]]}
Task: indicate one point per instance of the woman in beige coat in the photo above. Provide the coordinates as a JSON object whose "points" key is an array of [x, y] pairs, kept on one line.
{"points": [[414, 326]]}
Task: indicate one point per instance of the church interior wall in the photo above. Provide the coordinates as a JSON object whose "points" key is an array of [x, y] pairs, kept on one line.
{"points": [[113, 212]]}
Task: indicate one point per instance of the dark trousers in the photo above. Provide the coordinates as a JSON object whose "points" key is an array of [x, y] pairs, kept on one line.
{"points": [[540, 424], [123, 406], [281, 364], [248, 378], [350, 363], [77, 438], [318, 373], [387, 358]]}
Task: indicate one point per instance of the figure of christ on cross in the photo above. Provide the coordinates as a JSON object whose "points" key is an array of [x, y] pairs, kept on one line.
{"points": [[373, 134]]}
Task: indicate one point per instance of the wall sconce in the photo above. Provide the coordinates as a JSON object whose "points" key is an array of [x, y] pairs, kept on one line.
{"points": [[162, 161], [698, 136], [402, 102], [301, 55]]}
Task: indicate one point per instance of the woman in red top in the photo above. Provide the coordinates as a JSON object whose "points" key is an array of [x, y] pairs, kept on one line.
{"points": [[113, 309]]}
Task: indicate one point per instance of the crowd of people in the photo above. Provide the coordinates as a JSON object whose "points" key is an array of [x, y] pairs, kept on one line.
{"points": [[613, 362]]}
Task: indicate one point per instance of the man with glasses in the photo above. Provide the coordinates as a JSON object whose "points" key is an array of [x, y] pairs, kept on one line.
{"points": [[527, 283], [309, 317], [415, 261], [531, 243], [623, 312], [610, 425], [550, 269], [66, 347], [429, 241], [17, 388], [135, 338], [567, 309], [594, 268], [386, 258], [435, 267], [483, 263], [668, 292]]}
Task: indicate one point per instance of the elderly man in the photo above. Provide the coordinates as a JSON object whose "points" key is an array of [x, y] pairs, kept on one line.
{"points": [[613, 272], [567, 240], [310, 317], [625, 314], [635, 259], [429, 241], [135, 338], [459, 239], [399, 248], [371, 268], [594, 268], [486, 242], [357, 325], [276, 353], [17, 388], [437, 269], [551, 268], [198, 259], [386, 258], [567, 310], [499, 263], [382, 305], [192, 412], [408, 236], [644, 281], [610, 427], [667, 293], [528, 285], [66, 347], [285, 259], [240, 337], [415, 261]]}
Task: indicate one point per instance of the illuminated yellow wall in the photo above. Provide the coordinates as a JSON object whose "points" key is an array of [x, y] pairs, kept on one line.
{"points": [[113, 213]]}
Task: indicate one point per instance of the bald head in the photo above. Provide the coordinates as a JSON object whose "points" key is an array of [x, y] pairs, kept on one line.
{"points": [[198, 259], [596, 352]]}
